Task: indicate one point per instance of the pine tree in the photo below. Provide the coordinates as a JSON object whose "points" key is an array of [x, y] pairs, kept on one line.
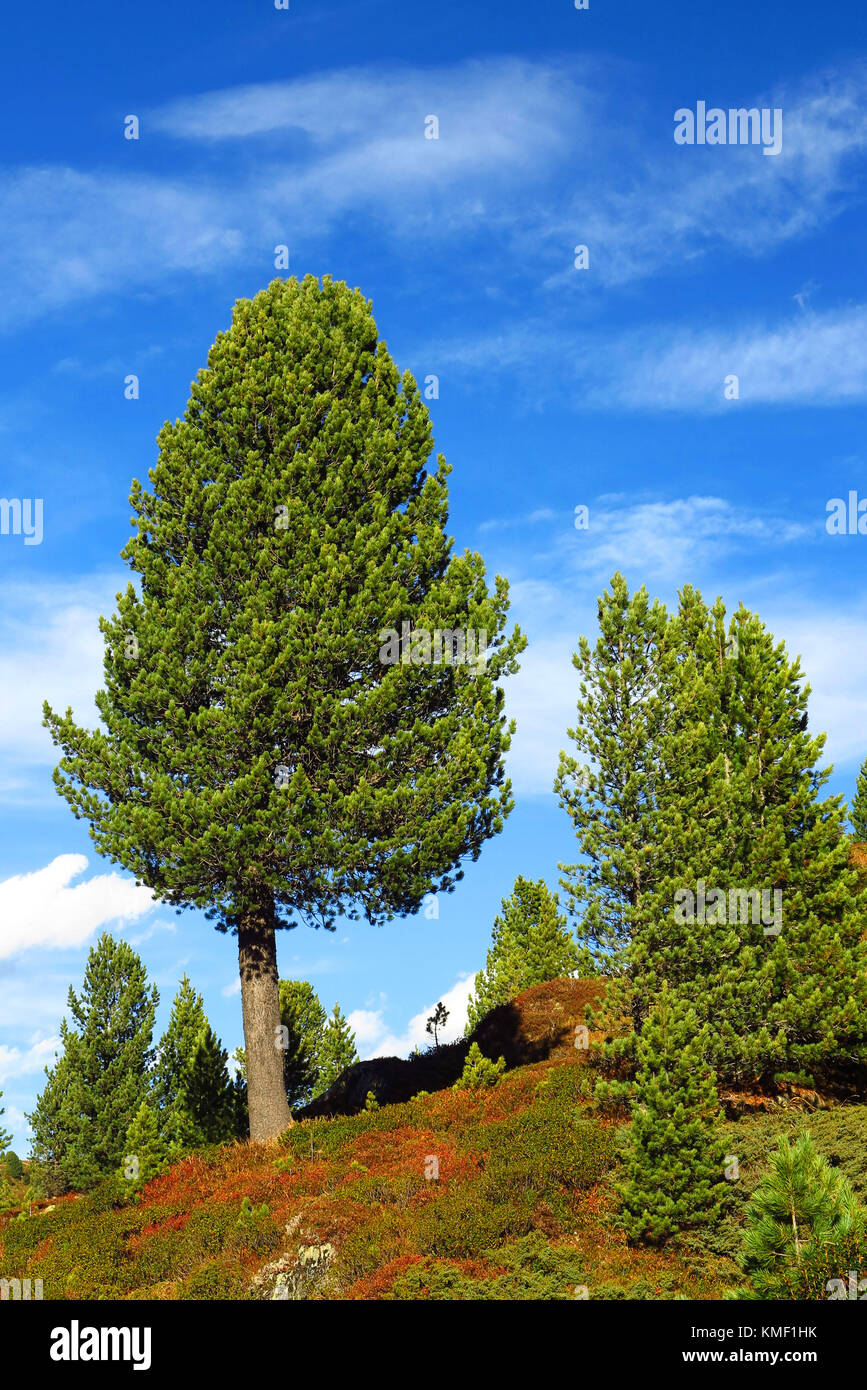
{"points": [[802, 1214], [610, 795], [774, 959], [186, 1024], [743, 900], [479, 1071], [97, 1086], [145, 1154], [14, 1166], [858, 813], [336, 1051], [262, 756], [304, 1020], [674, 1171], [192, 1087], [530, 944], [7, 1197], [5, 1136], [206, 1097]]}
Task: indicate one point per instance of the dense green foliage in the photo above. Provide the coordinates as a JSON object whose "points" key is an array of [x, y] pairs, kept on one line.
{"points": [[531, 944], [14, 1166], [803, 1227], [675, 1171], [710, 859], [146, 1151], [858, 809], [96, 1087], [192, 1090], [258, 758]]}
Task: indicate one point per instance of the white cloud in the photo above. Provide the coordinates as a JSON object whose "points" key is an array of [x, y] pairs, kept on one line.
{"points": [[374, 1039], [40, 909], [14, 1062], [17, 1121]]}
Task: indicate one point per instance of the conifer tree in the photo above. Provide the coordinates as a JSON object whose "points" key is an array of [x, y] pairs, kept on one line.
{"points": [[5, 1136], [610, 794], [187, 1022], [97, 1086], [858, 812], [207, 1097], [304, 1020], [530, 944], [14, 1165], [773, 958], [336, 1051], [802, 1214], [192, 1087], [745, 901], [7, 1197], [260, 759], [145, 1154], [674, 1175]]}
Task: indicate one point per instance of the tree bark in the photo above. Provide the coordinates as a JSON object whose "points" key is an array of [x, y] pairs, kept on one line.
{"points": [[260, 1006]]}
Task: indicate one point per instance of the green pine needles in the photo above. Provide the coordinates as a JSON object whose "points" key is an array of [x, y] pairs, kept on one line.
{"points": [[804, 1230], [675, 1169], [531, 944], [710, 860], [258, 759]]}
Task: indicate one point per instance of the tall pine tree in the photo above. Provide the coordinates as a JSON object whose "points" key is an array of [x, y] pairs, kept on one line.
{"points": [[5, 1136], [675, 1175], [531, 944], [336, 1051], [101, 1078], [858, 811], [744, 900], [609, 793], [192, 1087], [260, 757]]}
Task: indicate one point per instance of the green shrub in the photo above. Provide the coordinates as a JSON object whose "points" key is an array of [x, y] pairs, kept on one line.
{"points": [[110, 1194], [14, 1166], [212, 1281], [464, 1221], [534, 1270], [255, 1228], [479, 1071]]}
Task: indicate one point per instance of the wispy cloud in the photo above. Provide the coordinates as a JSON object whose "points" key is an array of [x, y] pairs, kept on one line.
{"points": [[816, 359], [534, 156], [50, 648]]}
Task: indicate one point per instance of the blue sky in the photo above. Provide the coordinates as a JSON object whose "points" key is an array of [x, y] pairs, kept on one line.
{"points": [[557, 386]]}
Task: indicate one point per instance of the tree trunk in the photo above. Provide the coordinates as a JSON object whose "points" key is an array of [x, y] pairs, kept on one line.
{"points": [[260, 1005]]}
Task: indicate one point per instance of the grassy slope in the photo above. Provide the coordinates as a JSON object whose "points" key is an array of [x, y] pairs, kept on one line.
{"points": [[523, 1206]]}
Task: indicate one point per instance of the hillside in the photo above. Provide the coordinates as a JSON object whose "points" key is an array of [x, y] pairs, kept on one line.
{"points": [[500, 1194]]}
